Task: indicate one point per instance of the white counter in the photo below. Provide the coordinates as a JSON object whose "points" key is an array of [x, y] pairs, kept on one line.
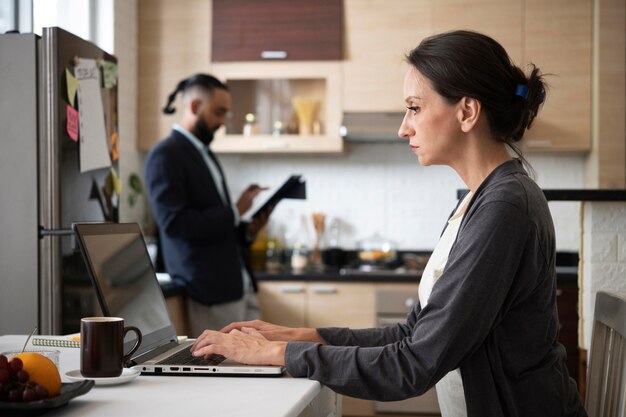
{"points": [[202, 396]]}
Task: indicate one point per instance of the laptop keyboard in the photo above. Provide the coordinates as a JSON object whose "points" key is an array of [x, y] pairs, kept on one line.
{"points": [[184, 357]]}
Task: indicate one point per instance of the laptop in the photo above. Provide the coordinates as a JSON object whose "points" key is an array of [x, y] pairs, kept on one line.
{"points": [[126, 285]]}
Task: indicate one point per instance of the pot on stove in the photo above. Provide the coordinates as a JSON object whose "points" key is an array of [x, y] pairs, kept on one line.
{"points": [[377, 250]]}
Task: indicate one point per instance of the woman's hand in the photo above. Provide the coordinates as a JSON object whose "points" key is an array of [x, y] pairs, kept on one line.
{"points": [[246, 346], [275, 332]]}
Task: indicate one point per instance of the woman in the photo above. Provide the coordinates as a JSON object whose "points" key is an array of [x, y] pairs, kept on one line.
{"points": [[485, 330]]}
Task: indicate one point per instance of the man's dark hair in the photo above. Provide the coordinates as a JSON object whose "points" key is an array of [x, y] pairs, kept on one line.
{"points": [[204, 81]]}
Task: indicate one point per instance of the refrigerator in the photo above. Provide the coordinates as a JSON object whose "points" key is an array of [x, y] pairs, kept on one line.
{"points": [[46, 183]]}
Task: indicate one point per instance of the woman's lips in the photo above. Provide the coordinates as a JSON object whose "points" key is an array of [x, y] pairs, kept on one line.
{"points": [[413, 147]]}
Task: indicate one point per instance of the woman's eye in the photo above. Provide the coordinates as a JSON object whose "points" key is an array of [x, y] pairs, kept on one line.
{"points": [[414, 109]]}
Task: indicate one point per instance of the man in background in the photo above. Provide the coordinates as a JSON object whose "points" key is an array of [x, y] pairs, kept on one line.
{"points": [[201, 234]]}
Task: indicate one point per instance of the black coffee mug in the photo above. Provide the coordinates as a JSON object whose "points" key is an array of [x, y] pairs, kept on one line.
{"points": [[102, 346]]}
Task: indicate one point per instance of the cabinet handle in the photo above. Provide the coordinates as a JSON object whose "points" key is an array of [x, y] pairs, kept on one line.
{"points": [[324, 290], [559, 292], [273, 54], [539, 143], [291, 289]]}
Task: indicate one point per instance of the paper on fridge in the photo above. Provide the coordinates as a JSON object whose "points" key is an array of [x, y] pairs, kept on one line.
{"points": [[93, 148]]}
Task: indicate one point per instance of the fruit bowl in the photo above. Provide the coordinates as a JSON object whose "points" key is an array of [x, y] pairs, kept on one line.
{"points": [[35, 408]]}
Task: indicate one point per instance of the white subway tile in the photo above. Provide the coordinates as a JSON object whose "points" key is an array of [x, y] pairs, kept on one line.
{"points": [[603, 247]]}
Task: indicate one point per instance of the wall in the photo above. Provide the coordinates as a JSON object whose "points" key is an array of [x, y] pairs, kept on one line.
{"points": [[131, 161], [603, 257], [382, 188]]}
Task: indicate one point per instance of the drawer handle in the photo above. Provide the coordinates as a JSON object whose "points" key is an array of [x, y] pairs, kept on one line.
{"points": [[291, 289], [325, 290], [274, 54]]}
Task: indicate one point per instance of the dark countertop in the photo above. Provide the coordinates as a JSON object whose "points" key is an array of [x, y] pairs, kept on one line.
{"points": [[576, 194], [566, 274], [339, 275]]}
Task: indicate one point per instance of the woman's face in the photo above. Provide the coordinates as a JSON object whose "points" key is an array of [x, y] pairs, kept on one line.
{"points": [[431, 125]]}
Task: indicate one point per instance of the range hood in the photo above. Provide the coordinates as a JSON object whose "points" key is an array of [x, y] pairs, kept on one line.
{"points": [[371, 127]]}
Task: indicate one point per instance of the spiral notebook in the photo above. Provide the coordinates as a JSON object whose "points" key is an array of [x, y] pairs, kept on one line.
{"points": [[62, 343]]}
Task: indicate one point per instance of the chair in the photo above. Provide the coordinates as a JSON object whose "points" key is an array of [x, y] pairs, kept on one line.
{"points": [[606, 376]]}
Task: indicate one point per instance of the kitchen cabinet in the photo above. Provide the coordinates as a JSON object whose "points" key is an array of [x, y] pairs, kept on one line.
{"points": [[268, 90], [377, 41], [557, 38], [245, 30], [327, 304], [319, 304], [378, 35]]}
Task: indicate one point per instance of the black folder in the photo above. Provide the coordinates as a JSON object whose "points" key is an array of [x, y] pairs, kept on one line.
{"points": [[294, 187]]}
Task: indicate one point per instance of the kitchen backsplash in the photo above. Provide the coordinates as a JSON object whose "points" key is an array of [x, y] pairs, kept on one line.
{"points": [[381, 188]]}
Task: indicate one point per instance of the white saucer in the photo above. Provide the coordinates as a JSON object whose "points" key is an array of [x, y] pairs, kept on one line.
{"points": [[128, 374]]}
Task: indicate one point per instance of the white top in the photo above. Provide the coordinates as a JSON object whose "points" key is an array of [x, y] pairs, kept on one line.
{"points": [[450, 392], [166, 396]]}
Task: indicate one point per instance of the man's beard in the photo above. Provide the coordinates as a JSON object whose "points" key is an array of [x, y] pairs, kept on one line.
{"points": [[203, 132]]}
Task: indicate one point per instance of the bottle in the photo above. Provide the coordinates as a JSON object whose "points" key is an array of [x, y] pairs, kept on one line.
{"points": [[333, 255], [258, 251], [250, 127], [299, 257]]}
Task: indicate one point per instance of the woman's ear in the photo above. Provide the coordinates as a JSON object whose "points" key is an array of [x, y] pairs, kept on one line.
{"points": [[469, 113]]}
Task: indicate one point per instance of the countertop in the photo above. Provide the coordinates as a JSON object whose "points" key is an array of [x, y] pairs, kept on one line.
{"points": [[177, 395], [576, 194]]}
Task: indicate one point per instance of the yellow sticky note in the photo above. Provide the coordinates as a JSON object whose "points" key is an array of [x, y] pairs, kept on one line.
{"points": [[72, 86], [117, 183]]}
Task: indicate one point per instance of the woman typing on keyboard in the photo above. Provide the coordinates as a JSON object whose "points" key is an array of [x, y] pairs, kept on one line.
{"points": [[485, 329]]}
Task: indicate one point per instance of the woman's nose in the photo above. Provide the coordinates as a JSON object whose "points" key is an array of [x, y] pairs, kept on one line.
{"points": [[405, 131]]}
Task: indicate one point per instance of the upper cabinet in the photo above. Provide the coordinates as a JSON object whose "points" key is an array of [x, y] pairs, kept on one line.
{"points": [[377, 41], [558, 40], [251, 30], [378, 35], [281, 107]]}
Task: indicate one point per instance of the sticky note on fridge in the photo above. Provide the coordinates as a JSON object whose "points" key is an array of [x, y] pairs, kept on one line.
{"points": [[109, 69], [72, 86], [72, 123]]}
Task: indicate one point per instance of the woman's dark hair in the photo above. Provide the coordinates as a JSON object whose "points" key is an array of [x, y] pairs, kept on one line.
{"points": [[469, 64], [205, 81]]}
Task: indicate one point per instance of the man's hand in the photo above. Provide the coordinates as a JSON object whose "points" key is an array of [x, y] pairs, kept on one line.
{"points": [[245, 199], [257, 223]]}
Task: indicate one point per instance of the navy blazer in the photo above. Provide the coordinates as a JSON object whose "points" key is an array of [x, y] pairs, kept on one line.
{"points": [[202, 248]]}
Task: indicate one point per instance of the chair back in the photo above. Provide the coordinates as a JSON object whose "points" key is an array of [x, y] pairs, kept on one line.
{"points": [[606, 375]]}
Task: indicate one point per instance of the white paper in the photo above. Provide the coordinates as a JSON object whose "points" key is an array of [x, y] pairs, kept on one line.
{"points": [[94, 152]]}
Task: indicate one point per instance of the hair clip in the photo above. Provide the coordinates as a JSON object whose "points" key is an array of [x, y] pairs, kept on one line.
{"points": [[522, 91]]}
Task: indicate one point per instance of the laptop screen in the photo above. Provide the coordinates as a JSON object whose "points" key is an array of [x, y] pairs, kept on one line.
{"points": [[124, 279]]}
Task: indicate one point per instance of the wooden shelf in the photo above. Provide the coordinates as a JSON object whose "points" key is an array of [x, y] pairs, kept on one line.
{"points": [[281, 144]]}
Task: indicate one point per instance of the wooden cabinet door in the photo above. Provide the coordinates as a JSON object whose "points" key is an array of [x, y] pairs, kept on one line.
{"points": [[500, 19], [283, 302], [341, 305], [250, 30], [379, 33], [558, 40]]}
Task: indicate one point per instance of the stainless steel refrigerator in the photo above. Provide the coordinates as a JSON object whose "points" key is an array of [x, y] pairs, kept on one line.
{"points": [[43, 281]]}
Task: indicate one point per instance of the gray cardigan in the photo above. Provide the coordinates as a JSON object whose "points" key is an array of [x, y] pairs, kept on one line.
{"points": [[492, 313]]}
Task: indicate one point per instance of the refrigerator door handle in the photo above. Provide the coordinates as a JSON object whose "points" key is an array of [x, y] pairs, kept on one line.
{"points": [[54, 232]]}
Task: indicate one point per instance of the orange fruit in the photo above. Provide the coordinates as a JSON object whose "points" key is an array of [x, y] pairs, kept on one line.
{"points": [[42, 371]]}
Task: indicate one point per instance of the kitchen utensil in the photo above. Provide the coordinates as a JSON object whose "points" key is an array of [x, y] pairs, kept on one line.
{"points": [[376, 250]]}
